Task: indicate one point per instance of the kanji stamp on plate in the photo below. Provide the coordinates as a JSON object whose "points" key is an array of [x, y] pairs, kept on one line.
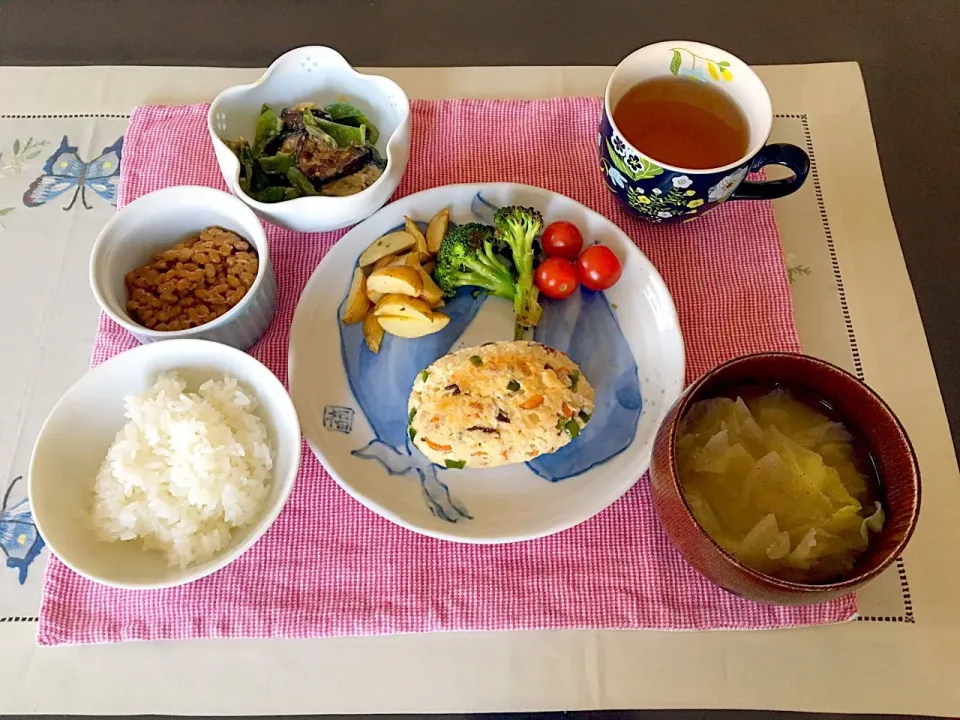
{"points": [[338, 418]]}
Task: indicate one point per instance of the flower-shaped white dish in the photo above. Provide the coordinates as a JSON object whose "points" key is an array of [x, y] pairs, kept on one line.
{"points": [[321, 75]]}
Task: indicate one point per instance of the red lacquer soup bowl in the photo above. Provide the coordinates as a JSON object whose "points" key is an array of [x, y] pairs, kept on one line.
{"points": [[865, 415]]}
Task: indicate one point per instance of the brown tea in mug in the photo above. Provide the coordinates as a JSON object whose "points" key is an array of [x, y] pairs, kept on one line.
{"points": [[683, 122]]}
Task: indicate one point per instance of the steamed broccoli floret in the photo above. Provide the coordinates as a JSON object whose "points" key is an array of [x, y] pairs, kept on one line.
{"points": [[517, 227], [467, 257]]}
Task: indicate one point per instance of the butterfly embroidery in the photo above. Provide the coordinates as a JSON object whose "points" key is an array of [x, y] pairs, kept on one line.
{"points": [[19, 539], [65, 170]]}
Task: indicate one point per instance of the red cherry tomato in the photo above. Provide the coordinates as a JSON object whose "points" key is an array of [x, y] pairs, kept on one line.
{"points": [[598, 268], [556, 278], [562, 239]]}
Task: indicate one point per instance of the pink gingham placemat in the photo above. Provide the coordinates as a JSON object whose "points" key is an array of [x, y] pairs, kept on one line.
{"points": [[329, 566]]}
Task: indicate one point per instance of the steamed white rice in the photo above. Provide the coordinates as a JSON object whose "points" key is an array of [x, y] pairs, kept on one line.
{"points": [[187, 469]]}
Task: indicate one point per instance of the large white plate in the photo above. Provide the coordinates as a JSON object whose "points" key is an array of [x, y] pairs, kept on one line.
{"points": [[353, 404]]}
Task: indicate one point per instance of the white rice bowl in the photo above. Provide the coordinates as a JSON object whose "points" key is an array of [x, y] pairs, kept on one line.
{"points": [[185, 471]]}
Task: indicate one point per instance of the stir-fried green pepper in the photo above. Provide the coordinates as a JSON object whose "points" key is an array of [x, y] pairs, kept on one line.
{"points": [[279, 163], [301, 182], [325, 148], [270, 194], [269, 126], [241, 148], [311, 125], [246, 159], [348, 114], [344, 136]]}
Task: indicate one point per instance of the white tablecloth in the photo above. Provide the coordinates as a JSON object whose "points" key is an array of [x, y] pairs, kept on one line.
{"points": [[854, 306]]}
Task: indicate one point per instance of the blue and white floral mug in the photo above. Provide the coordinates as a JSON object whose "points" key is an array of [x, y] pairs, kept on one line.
{"points": [[659, 192]]}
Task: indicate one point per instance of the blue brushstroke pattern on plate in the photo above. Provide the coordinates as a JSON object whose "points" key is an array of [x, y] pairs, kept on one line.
{"points": [[584, 326], [381, 384]]}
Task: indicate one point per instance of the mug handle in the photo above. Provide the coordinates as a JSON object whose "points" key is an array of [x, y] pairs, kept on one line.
{"points": [[790, 156]]}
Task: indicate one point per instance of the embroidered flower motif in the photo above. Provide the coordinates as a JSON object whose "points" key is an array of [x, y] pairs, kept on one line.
{"points": [[795, 269], [690, 193], [695, 203], [682, 181], [616, 177], [664, 214], [21, 155], [724, 189], [656, 191], [618, 144]]}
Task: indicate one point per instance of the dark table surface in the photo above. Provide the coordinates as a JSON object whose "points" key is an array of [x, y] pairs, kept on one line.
{"points": [[908, 49], [593, 715]]}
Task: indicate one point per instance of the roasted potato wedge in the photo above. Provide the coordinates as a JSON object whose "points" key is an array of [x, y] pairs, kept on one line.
{"points": [[386, 261], [372, 331], [357, 301], [438, 321], [429, 267], [412, 259], [401, 279], [374, 297], [420, 246], [402, 306], [390, 244], [407, 327], [431, 293], [437, 230]]}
